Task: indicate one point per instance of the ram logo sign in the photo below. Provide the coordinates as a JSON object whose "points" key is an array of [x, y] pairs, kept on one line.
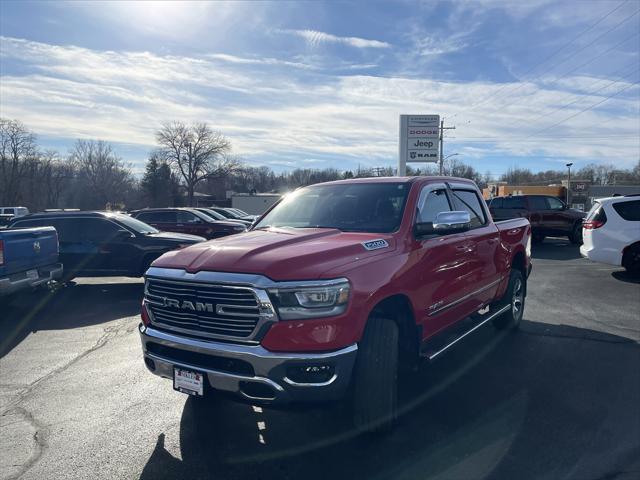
{"points": [[375, 244]]}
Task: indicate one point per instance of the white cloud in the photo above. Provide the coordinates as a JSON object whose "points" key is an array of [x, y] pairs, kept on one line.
{"points": [[315, 38], [269, 113]]}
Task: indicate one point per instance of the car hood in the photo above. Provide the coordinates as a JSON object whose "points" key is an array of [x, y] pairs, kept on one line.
{"points": [[280, 253], [178, 237]]}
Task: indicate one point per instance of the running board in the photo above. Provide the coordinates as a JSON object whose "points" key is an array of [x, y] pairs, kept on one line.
{"points": [[432, 354]]}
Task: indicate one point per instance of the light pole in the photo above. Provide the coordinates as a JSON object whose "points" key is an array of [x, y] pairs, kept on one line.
{"points": [[445, 158], [568, 181]]}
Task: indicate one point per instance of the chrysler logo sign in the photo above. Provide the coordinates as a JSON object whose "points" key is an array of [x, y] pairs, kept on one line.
{"points": [[36, 247]]}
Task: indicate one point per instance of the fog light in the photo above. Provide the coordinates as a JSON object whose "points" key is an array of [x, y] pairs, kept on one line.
{"points": [[310, 373], [151, 365]]}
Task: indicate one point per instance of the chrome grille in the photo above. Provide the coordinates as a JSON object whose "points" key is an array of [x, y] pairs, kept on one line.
{"points": [[209, 310]]}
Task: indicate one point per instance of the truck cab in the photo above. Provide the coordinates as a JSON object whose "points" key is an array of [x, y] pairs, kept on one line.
{"points": [[337, 285]]}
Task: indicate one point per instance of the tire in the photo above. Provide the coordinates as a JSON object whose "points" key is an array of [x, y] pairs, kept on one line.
{"points": [[375, 377], [537, 239], [515, 298], [576, 234], [631, 260]]}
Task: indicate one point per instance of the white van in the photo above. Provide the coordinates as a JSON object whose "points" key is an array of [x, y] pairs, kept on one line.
{"points": [[15, 211]]}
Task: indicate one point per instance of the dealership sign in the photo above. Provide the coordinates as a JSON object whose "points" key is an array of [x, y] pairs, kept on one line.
{"points": [[419, 138]]}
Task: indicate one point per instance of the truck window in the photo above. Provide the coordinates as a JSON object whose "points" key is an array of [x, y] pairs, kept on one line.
{"points": [[431, 203], [496, 203], [468, 201]]}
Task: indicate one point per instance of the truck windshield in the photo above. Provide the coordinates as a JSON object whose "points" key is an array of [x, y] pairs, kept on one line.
{"points": [[350, 207]]}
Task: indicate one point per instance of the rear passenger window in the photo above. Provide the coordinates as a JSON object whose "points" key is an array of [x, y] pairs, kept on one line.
{"points": [[468, 200], [628, 210], [514, 203], [431, 204]]}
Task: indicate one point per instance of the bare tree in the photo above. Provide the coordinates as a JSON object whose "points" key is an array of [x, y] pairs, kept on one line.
{"points": [[17, 146], [102, 176], [197, 152]]}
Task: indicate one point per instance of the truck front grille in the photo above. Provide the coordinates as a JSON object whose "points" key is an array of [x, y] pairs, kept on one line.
{"points": [[202, 309]]}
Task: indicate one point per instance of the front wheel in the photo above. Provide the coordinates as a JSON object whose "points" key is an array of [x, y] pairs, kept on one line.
{"points": [[375, 377], [514, 297]]}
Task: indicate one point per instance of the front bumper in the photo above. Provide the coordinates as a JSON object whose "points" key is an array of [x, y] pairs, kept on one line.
{"points": [[249, 371], [20, 281]]}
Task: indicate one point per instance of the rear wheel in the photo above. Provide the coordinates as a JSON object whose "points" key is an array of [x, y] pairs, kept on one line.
{"points": [[514, 297], [375, 377], [576, 234], [631, 260]]}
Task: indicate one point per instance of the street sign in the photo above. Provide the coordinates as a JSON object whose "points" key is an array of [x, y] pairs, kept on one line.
{"points": [[419, 140]]}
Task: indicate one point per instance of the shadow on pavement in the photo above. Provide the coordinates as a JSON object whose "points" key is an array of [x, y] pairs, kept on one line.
{"points": [[548, 402], [625, 276], [556, 249], [71, 306]]}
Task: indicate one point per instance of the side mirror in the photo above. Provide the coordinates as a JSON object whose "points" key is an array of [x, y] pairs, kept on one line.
{"points": [[445, 223]]}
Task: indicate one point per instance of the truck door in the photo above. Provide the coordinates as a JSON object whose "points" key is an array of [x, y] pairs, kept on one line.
{"points": [[556, 216], [484, 266], [442, 266]]}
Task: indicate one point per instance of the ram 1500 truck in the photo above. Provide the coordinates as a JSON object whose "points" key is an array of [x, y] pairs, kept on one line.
{"points": [[28, 258], [336, 288]]}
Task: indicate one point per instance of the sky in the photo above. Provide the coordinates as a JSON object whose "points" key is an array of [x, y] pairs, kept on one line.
{"points": [[532, 84]]}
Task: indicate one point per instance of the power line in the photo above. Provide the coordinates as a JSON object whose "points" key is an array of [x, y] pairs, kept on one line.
{"points": [[585, 109], [588, 62], [471, 107]]}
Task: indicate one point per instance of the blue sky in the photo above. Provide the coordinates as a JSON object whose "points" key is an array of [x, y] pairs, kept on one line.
{"points": [[321, 84]]}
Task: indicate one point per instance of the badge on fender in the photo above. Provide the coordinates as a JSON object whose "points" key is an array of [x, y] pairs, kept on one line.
{"points": [[375, 244]]}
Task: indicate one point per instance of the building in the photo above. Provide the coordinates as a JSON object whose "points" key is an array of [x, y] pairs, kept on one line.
{"points": [[254, 204]]}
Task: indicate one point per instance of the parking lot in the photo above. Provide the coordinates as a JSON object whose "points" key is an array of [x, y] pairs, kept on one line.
{"points": [[558, 399]]}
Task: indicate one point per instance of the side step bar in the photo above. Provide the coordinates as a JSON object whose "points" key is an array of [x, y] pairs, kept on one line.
{"points": [[432, 354]]}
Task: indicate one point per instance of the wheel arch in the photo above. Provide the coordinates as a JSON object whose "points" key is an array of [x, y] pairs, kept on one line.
{"points": [[398, 308]]}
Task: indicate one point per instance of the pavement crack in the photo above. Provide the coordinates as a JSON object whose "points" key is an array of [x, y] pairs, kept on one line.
{"points": [[39, 440], [108, 333]]}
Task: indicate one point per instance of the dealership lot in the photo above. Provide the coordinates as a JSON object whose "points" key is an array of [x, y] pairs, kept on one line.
{"points": [[559, 399]]}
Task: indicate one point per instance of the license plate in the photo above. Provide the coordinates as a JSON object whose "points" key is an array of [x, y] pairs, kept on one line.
{"points": [[188, 381], [32, 274]]}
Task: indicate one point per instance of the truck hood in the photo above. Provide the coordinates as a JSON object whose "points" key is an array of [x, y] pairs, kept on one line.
{"points": [[280, 253]]}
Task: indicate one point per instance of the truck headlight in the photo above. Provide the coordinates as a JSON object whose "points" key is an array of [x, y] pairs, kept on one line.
{"points": [[294, 303]]}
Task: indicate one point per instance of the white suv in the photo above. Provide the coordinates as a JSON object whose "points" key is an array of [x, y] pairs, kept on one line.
{"points": [[611, 232]]}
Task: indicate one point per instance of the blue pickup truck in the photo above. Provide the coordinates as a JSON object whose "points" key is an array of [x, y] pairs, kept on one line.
{"points": [[28, 258]]}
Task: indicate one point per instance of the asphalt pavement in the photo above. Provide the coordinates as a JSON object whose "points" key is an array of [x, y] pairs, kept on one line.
{"points": [[558, 399]]}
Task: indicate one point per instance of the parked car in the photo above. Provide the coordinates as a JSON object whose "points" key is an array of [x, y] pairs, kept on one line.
{"points": [[229, 214], [548, 215], [217, 216], [336, 286], [243, 214], [187, 220], [28, 259], [106, 244], [611, 232]]}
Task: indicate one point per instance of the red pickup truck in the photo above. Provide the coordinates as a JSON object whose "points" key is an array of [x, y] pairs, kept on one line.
{"points": [[335, 288]]}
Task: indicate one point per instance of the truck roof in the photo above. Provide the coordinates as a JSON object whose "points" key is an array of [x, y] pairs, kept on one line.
{"points": [[425, 179]]}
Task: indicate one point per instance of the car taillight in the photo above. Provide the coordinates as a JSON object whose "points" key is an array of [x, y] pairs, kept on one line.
{"points": [[592, 225], [1, 252]]}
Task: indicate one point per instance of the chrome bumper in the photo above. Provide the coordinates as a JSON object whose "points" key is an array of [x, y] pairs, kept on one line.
{"points": [[267, 383], [20, 281]]}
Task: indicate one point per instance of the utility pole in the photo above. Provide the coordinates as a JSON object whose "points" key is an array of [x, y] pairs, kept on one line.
{"points": [[568, 181], [442, 129]]}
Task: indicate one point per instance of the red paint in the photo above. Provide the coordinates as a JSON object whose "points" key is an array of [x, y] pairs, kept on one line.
{"points": [[427, 272]]}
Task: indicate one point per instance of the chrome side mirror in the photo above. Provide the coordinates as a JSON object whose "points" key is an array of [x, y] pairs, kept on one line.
{"points": [[452, 221]]}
